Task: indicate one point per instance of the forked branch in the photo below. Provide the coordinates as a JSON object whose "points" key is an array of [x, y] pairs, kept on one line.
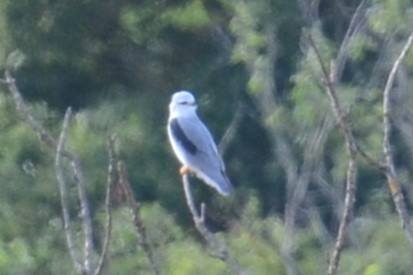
{"points": [[388, 168], [219, 249], [352, 148], [391, 173], [63, 194], [86, 267]]}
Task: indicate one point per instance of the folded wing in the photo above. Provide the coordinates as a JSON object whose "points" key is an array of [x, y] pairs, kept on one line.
{"points": [[198, 151]]}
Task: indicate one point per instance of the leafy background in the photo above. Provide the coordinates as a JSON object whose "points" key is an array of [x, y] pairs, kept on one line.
{"points": [[118, 62]]}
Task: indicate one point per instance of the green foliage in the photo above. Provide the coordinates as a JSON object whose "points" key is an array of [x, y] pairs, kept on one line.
{"points": [[15, 257], [117, 63], [360, 45], [133, 21], [256, 244], [188, 257], [387, 16], [143, 22], [245, 25], [381, 249], [29, 198], [305, 95], [257, 80], [192, 16]]}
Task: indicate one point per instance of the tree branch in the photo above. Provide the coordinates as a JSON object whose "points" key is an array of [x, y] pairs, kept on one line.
{"points": [[140, 227], [357, 21], [24, 111], [349, 200], [352, 148], [85, 216], [84, 203], [63, 193], [391, 174], [219, 249], [48, 139], [108, 204]]}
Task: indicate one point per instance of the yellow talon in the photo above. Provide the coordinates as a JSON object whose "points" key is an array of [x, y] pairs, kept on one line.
{"points": [[184, 170]]}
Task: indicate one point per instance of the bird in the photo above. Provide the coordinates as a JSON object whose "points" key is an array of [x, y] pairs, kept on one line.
{"points": [[194, 145]]}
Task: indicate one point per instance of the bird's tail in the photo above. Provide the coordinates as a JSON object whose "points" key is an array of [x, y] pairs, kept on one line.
{"points": [[220, 182], [225, 187]]}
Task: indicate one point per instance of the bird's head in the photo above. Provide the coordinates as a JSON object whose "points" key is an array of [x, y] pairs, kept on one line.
{"points": [[182, 102]]}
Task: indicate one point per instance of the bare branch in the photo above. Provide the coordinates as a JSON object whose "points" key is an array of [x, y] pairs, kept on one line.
{"points": [[356, 23], [24, 111], [48, 139], [298, 178], [219, 249], [328, 79], [391, 174], [347, 214], [329, 85], [108, 205], [354, 149], [63, 192], [84, 203], [137, 219], [84, 213]]}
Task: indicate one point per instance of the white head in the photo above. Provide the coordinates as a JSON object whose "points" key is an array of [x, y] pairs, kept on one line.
{"points": [[182, 103]]}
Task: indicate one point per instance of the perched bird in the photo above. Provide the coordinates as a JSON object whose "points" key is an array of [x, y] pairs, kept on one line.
{"points": [[193, 143]]}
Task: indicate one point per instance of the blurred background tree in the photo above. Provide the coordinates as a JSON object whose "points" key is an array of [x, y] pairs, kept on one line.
{"points": [[118, 62]]}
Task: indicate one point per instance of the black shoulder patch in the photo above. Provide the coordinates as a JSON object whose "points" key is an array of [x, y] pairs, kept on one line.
{"points": [[182, 138]]}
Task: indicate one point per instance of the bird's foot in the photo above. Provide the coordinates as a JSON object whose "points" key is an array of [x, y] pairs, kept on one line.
{"points": [[184, 170]]}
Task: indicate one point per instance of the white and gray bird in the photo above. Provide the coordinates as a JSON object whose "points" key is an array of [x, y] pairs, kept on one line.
{"points": [[193, 143]]}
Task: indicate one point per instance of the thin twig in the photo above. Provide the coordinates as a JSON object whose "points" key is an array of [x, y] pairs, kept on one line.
{"points": [[84, 214], [349, 200], [297, 184], [47, 138], [357, 21], [391, 174], [24, 111], [84, 205], [351, 183], [354, 149], [219, 249], [63, 193], [140, 227], [108, 204]]}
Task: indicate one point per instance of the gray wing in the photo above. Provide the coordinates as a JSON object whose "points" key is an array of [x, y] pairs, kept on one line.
{"points": [[202, 154]]}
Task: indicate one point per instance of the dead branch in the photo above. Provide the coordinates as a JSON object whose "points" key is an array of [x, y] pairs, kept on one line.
{"points": [[219, 249], [63, 193], [108, 205], [85, 216], [328, 79], [140, 227], [357, 21], [47, 138], [24, 111], [391, 174], [298, 183], [354, 149], [84, 203], [87, 266], [347, 214]]}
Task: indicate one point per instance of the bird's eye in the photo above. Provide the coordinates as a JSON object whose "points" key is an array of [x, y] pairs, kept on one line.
{"points": [[184, 103]]}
